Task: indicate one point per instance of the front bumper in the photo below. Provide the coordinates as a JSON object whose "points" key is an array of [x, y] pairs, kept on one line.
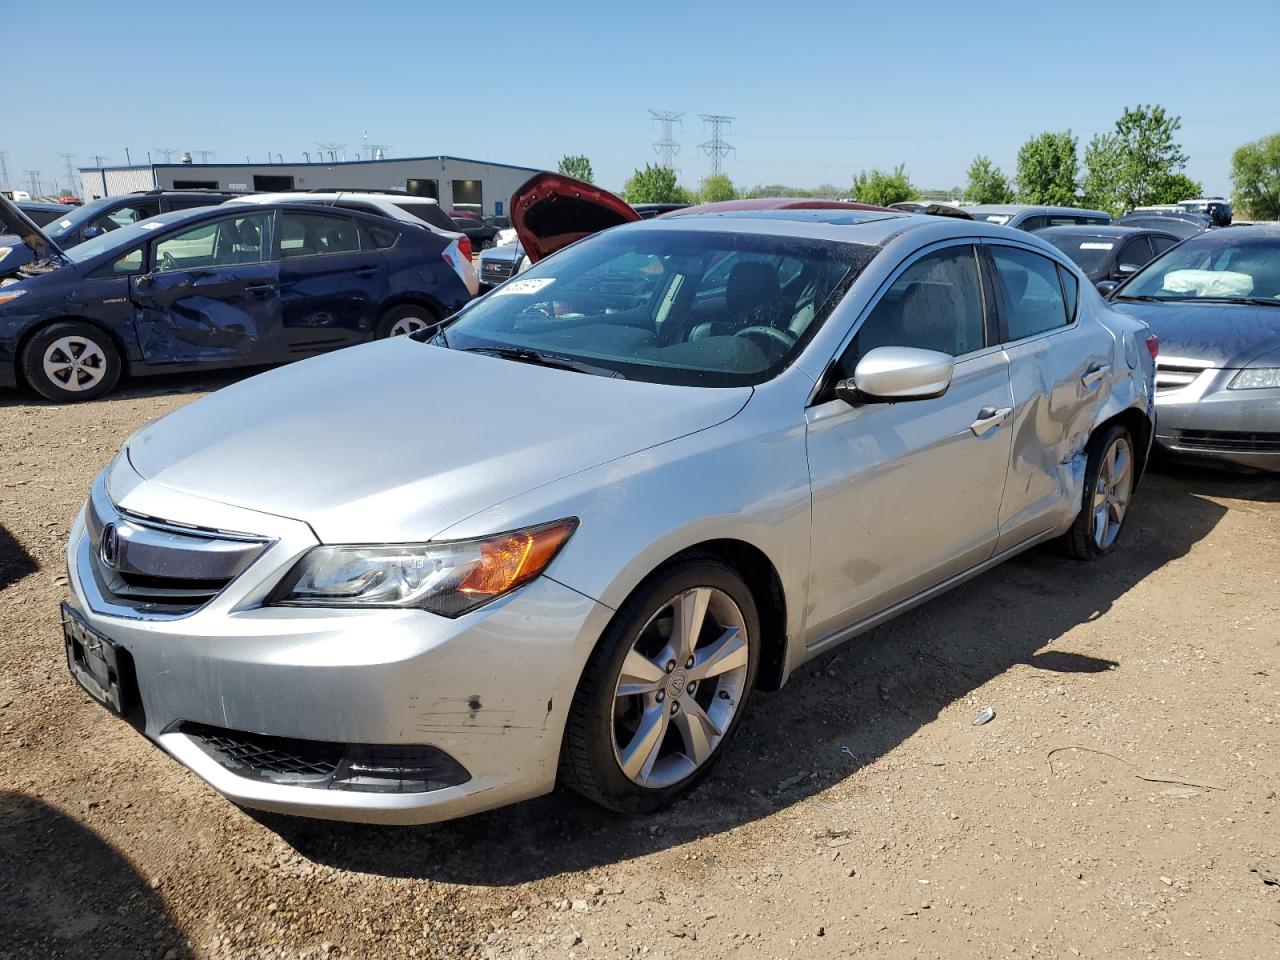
{"points": [[490, 689], [1206, 421]]}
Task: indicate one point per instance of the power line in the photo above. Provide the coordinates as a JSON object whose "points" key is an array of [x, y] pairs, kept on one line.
{"points": [[666, 148], [377, 151], [166, 152], [716, 148], [204, 155], [69, 159], [331, 149], [33, 181], [99, 159]]}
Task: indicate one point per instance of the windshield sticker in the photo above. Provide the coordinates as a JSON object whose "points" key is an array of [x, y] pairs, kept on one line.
{"points": [[64, 224], [523, 287], [151, 226], [1096, 246]]}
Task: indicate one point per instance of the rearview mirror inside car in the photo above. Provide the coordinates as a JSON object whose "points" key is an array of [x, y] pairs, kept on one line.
{"points": [[90, 232], [898, 373]]}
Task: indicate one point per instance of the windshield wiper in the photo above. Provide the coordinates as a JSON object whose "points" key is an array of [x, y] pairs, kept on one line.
{"points": [[536, 357], [1147, 297], [1252, 301]]}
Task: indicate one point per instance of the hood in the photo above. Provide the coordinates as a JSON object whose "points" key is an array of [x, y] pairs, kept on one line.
{"points": [[14, 221], [550, 211], [398, 440], [1228, 335]]}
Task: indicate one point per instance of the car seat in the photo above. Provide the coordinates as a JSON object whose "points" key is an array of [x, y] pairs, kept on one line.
{"points": [[752, 296]]}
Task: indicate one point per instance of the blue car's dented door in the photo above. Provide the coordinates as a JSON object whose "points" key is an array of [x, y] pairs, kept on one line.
{"points": [[212, 296]]}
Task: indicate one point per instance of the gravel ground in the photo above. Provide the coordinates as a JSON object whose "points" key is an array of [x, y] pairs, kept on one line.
{"points": [[1122, 803]]}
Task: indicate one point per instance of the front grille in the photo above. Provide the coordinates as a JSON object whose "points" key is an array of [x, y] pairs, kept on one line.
{"points": [[1226, 441], [323, 764], [494, 271], [1175, 376], [153, 567]]}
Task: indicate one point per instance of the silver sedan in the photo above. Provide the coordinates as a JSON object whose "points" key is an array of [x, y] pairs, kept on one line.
{"points": [[565, 536]]}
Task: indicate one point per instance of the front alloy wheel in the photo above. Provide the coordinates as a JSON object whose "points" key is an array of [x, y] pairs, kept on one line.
{"points": [[664, 689]]}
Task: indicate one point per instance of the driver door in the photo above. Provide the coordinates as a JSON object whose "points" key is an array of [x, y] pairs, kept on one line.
{"points": [[907, 495], [212, 296]]}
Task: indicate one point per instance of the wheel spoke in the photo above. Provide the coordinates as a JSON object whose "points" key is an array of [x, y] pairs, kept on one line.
{"points": [[1123, 462], [696, 729], [1101, 518], [639, 675], [727, 653], [642, 752], [690, 609]]}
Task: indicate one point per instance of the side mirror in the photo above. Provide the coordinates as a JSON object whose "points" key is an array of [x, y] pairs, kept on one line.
{"points": [[143, 280], [1127, 268], [90, 232], [1107, 287], [898, 373]]}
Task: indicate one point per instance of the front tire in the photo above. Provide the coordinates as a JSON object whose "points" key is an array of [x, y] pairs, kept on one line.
{"points": [[71, 361], [1109, 476], [406, 319], [664, 690]]}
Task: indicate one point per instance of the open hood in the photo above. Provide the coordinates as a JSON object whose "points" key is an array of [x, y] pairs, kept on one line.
{"points": [[13, 221], [550, 211]]}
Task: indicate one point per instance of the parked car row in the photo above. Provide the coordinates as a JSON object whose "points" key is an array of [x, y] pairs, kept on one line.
{"points": [[697, 451]]}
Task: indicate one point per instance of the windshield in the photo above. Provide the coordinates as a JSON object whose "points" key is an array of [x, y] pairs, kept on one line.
{"points": [[113, 239], [1000, 218], [1217, 265], [668, 306], [1088, 253], [77, 217]]}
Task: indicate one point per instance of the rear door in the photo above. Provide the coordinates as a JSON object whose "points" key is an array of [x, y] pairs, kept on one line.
{"points": [[332, 281], [211, 295], [1059, 365], [907, 495]]}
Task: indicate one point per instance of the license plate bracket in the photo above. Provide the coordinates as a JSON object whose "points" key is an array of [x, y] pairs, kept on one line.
{"points": [[95, 662]]}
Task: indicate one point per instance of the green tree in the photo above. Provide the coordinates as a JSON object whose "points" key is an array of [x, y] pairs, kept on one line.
{"points": [[577, 166], [1137, 163], [987, 183], [1255, 176], [655, 184], [1175, 187], [717, 187], [1048, 170], [882, 188]]}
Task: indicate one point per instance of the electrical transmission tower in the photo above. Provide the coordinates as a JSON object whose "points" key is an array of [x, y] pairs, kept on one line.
{"points": [[69, 160], [204, 155], [331, 149], [99, 159], [33, 181], [666, 148], [4, 168], [377, 151], [166, 152], [716, 148]]}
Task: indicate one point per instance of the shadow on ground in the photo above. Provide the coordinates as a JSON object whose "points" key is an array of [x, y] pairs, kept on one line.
{"points": [[133, 388], [872, 695], [15, 562], [67, 893]]}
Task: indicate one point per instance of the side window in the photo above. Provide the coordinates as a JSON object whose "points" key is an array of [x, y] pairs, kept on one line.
{"points": [[308, 234], [123, 216], [935, 304], [130, 263], [1070, 290], [379, 237], [1032, 224], [221, 243], [1031, 292], [1161, 244], [1136, 252]]}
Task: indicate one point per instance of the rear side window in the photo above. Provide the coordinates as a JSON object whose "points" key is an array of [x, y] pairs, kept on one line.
{"points": [[429, 213], [379, 238], [309, 234], [935, 304], [1030, 292], [1070, 290], [1136, 252], [1161, 244]]}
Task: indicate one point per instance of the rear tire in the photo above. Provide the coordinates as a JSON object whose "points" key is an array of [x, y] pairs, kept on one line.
{"points": [[653, 712], [405, 319], [1109, 475], [71, 361]]}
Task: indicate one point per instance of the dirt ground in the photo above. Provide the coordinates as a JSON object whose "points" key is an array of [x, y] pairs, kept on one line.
{"points": [[1122, 803]]}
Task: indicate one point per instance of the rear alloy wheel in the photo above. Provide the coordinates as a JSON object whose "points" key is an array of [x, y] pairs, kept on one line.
{"points": [[71, 361], [400, 321], [1108, 487], [664, 690]]}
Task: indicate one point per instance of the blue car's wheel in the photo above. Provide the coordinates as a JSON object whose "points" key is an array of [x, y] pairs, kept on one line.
{"points": [[71, 361]]}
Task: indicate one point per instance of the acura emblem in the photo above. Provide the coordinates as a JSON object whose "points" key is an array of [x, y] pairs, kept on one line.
{"points": [[109, 547]]}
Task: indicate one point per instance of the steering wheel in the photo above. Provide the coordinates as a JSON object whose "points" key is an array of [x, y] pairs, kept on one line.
{"points": [[771, 340], [167, 262]]}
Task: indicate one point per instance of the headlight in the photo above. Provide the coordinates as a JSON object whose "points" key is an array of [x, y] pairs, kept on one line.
{"points": [[1256, 378], [449, 578], [8, 295], [5, 251]]}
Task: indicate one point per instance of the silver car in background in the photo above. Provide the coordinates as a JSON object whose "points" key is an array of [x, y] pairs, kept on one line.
{"points": [[565, 536], [1214, 302]]}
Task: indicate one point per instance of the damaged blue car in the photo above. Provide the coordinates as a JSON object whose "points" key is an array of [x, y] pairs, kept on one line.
{"points": [[210, 287]]}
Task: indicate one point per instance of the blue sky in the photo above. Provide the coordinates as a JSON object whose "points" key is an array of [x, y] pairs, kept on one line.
{"points": [[819, 90]]}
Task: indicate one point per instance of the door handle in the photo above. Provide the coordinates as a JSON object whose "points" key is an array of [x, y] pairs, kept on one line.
{"points": [[1094, 374], [988, 419], [366, 271], [263, 287]]}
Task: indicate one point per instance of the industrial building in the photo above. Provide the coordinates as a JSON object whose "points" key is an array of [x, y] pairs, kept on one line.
{"points": [[458, 183]]}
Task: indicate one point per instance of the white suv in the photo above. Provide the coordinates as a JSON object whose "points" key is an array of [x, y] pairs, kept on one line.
{"points": [[405, 207]]}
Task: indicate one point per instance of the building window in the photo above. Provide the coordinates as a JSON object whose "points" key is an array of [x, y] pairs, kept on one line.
{"points": [[423, 188], [270, 183], [468, 195], [195, 184]]}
